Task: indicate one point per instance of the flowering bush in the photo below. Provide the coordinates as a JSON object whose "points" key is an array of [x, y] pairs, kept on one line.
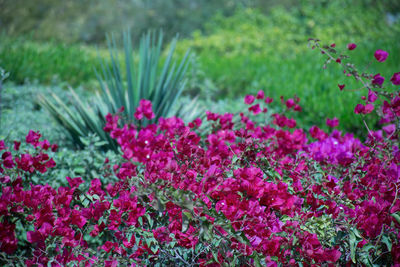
{"points": [[243, 193]]}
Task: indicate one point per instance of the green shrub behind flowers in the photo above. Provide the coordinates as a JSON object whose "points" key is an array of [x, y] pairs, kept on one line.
{"points": [[248, 193], [252, 50]]}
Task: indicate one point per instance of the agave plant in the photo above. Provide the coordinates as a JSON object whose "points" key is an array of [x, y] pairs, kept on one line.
{"points": [[148, 75]]}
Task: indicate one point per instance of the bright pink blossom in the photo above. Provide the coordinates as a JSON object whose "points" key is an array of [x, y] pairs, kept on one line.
{"points": [[249, 99], [260, 95], [378, 79], [351, 46], [145, 109], [332, 122], [381, 55], [372, 96], [255, 109], [395, 78]]}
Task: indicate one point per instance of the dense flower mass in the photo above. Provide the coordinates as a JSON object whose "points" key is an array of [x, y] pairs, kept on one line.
{"points": [[238, 191]]}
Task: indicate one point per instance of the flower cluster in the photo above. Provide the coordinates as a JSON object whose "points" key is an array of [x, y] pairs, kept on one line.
{"points": [[238, 192]]}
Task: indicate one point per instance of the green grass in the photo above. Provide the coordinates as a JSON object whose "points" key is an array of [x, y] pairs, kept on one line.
{"points": [[49, 62], [251, 51]]}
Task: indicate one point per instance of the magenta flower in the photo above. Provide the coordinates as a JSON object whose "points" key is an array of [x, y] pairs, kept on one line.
{"points": [[260, 95], [368, 108], [33, 138], [249, 99], [378, 79], [341, 86], [290, 103], [255, 109], [359, 109], [145, 108], [381, 55], [2, 145], [395, 78], [268, 100], [351, 46], [372, 96], [332, 122]]}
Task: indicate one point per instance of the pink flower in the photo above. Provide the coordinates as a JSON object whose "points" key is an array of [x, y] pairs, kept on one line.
{"points": [[268, 100], [395, 78], [341, 86], [368, 108], [2, 145], [359, 109], [290, 103], [372, 96], [260, 94], [77, 218], [255, 109], [332, 122], [33, 138], [351, 46], [16, 145], [145, 108], [249, 99], [8, 160], [74, 182], [381, 55], [108, 246], [389, 129], [378, 79]]}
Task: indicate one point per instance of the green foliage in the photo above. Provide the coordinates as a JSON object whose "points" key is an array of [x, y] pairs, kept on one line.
{"points": [[48, 62], [88, 163], [86, 21], [251, 51], [20, 113], [147, 78]]}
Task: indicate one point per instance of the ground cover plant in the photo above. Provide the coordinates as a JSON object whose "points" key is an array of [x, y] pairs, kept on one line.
{"points": [[241, 191]]}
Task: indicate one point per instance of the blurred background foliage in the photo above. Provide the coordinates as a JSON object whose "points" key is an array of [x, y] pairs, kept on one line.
{"points": [[238, 46]]}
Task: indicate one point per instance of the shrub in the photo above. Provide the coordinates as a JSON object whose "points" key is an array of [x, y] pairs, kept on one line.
{"points": [[149, 77], [249, 193]]}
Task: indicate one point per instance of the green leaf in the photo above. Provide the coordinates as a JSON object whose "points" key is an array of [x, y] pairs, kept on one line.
{"points": [[353, 242], [185, 222], [386, 240], [396, 216], [160, 81]]}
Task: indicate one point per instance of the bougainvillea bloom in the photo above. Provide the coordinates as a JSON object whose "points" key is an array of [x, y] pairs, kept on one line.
{"points": [[255, 109], [372, 96], [378, 79], [145, 108], [249, 99], [395, 78], [381, 55], [260, 94], [351, 46], [332, 122]]}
